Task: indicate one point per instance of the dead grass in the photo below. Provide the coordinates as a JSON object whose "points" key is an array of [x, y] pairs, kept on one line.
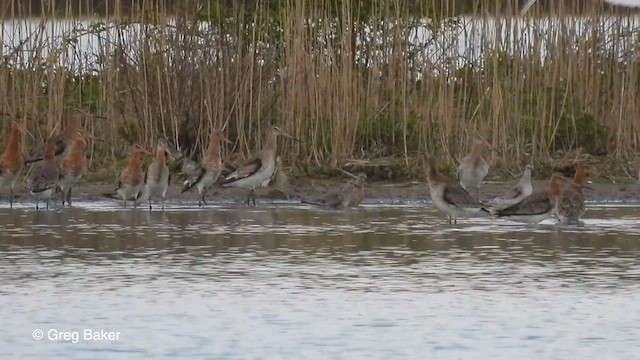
{"points": [[350, 82]]}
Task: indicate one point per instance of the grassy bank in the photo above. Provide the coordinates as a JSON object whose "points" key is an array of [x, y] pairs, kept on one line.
{"points": [[351, 82]]}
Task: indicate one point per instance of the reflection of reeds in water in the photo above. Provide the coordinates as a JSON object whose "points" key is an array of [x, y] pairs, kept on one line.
{"points": [[354, 85]]}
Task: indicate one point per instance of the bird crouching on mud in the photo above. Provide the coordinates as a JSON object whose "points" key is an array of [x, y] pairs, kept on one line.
{"points": [[350, 195]]}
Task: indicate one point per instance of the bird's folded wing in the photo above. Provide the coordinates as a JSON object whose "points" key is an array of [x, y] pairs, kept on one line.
{"points": [[245, 170], [193, 178], [537, 203], [36, 155], [457, 196], [512, 194]]}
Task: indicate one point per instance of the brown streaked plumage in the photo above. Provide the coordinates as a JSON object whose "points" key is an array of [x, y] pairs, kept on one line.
{"points": [[451, 198], [131, 179], [350, 195], [157, 178], [280, 187], [474, 168], [207, 173], [62, 141], [74, 164], [572, 206], [43, 179], [538, 206], [11, 160], [257, 170]]}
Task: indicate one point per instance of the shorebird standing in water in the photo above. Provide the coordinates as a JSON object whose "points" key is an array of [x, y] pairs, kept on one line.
{"points": [[61, 141], [572, 206], [74, 164], [538, 206], [350, 195], [11, 160], [474, 168], [157, 177], [43, 179], [257, 170], [131, 179], [522, 189], [208, 172], [451, 198]]}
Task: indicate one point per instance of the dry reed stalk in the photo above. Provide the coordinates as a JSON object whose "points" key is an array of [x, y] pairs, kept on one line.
{"points": [[350, 81]]}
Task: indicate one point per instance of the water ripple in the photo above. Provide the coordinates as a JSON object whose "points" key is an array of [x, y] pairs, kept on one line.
{"points": [[291, 281]]}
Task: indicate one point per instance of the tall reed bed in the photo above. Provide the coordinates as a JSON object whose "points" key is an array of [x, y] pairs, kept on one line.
{"points": [[397, 79]]}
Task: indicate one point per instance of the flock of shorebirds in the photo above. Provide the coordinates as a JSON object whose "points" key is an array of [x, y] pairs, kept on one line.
{"points": [[563, 199]]}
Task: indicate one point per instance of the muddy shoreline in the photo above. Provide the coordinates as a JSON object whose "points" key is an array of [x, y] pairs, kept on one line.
{"points": [[378, 192]]}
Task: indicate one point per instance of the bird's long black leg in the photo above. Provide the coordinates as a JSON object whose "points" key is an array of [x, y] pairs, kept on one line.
{"points": [[204, 193], [11, 197], [69, 197], [253, 196]]}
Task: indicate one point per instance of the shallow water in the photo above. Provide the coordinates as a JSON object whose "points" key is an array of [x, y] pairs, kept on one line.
{"points": [[295, 282]]}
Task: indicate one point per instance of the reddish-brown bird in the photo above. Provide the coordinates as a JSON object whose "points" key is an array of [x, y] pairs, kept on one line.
{"points": [[538, 206], [74, 164], [158, 176], [61, 141], [131, 179], [11, 160], [572, 206]]}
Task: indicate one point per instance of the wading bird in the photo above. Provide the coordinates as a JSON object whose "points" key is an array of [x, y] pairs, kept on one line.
{"points": [[522, 189], [74, 164], [538, 206], [207, 173], [43, 179], [350, 195], [451, 198], [157, 177], [11, 160], [257, 170], [131, 179], [61, 141], [474, 168], [572, 206]]}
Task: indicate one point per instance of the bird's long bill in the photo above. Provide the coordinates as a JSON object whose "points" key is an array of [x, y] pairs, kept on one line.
{"points": [[347, 173], [173, 150], [226, 140], [88, 135], [287, 135]]}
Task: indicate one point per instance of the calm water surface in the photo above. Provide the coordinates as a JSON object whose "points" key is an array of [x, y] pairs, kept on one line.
{"points": [[294, 282]]}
